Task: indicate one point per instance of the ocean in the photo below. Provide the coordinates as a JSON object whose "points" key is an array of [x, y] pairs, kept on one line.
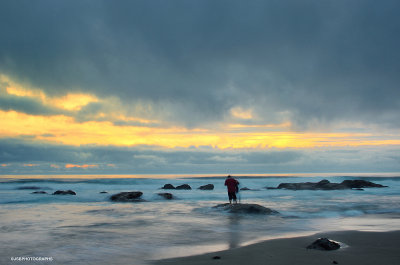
{"points": [[88, 228]]}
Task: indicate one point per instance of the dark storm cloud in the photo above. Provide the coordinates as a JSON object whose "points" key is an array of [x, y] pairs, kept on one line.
{"points": [[316, 61], [16, 154], [26, 105], [145, 159]]}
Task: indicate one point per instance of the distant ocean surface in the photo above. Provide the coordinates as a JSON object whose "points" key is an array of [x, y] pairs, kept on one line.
{"points": [[90, 229]]}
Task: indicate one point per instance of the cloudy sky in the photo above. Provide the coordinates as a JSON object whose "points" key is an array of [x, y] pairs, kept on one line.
{"points": [[134, 87]]}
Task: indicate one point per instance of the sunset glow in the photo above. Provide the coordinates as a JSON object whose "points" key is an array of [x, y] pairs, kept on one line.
{"points": [[259, 91]]}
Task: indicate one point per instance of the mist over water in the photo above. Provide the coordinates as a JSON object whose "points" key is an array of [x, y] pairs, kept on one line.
{"points": [[90, 229]]}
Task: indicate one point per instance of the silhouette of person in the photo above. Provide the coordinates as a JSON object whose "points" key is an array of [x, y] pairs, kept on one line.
{"points": [[232, 186]]}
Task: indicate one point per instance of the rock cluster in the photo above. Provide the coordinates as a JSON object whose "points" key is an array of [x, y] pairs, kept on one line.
{"points": [[186, 187], [327, 185], [180, 187]]}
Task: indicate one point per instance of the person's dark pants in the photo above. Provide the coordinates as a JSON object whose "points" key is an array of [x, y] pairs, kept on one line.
{"points": [[232, 195]]}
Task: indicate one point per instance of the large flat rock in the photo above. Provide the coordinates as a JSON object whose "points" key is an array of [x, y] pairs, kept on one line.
{"points": [[247, 208]]}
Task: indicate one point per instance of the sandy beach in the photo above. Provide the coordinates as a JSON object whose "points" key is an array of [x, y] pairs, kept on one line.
{"points": [[375, 248]]}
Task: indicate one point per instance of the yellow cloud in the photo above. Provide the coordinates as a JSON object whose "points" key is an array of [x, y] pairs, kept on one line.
{"points": [[65, 130], [73, 101], [70, 101], [241, 113]]}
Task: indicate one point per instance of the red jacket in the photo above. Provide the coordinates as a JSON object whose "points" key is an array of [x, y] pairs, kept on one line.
{"points": [[231, 183]]}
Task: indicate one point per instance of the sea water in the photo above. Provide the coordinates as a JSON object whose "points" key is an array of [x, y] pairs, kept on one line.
{"points": [[88, 228]]}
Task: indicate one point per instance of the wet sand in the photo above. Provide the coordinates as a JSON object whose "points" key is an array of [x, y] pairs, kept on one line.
{"points": [[374, 248]]}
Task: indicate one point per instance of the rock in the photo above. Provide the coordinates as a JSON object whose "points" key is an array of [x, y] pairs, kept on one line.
{"points": [[131, 196], [167, 196], [216, 257], [207, 187], [245, 188], [335, 262], [103, 192], [359, 183], [326, 185], [245, 208], [168, 187], [64, 192], [183, 187], [39, 192], [324, 244]]}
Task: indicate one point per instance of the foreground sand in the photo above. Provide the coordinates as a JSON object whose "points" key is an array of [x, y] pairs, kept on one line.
{"points": [[377, 248]]}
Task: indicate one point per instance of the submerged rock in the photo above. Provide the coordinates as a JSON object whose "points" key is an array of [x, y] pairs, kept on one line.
{"points": [[64, 192], [103, 192], [245, 208], [207, 187], [326, 185], [245, 188], [131, 196], [168, 187], [324, 244], [183, 187], [39, 192], [166, 195]]}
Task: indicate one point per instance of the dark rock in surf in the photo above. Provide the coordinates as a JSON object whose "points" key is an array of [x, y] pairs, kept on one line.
{"points": [[103, 192], [131, 196], [326, 185], [324, 244], [245, 208], [39, 192], [183, 187], [168, 187], [166, 195], [207, 187], [245, 188], [64, 192], [359, 184]]}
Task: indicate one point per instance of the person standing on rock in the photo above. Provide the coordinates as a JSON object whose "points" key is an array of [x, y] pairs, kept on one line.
{"points": [[232, 186]]}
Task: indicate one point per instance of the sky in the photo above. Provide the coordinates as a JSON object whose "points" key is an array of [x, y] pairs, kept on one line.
{"points": [[212, 86]]}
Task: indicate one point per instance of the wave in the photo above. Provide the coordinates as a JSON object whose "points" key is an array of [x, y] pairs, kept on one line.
{"points": [[110, 181]]}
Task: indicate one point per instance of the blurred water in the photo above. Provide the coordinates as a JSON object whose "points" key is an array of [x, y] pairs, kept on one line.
{"points": [[90, 229]]}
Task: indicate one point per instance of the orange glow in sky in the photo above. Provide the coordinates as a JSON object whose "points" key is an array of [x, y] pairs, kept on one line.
{"points": [[64, 129], [79, 166]]}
